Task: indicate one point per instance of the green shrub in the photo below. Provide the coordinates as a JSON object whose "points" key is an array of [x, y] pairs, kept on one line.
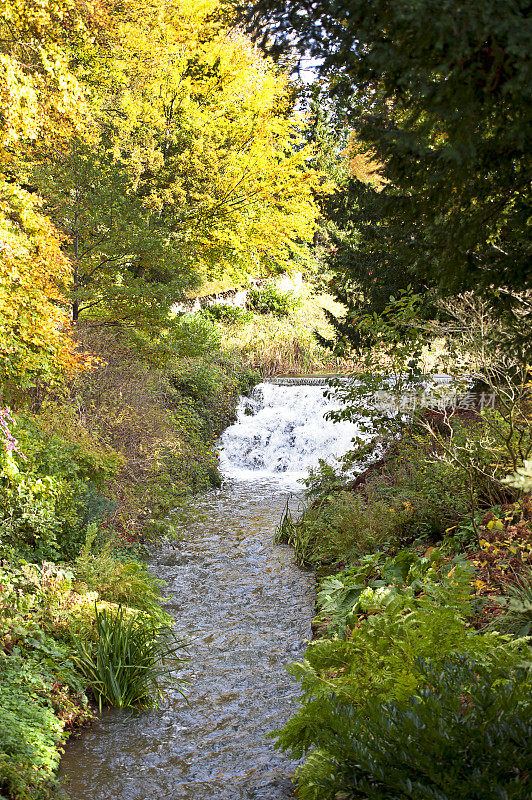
{"points": [[465, 734], [209, 391], [196, 378], [188, 335], [52, 489], [28, 502], [269, 300], [232, 315], [124, 581], [379, 660], [131, 655], [39, 692], [193, 335], [322, 481], [483, 453], [436, 491], [30, 734]]}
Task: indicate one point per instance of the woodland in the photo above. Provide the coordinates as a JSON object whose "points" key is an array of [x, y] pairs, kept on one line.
{"points": [[151, 153]]}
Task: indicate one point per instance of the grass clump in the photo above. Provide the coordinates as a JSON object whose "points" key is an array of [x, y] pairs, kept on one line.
{"points": [[124, 667], [341, 528], [516, 617]]}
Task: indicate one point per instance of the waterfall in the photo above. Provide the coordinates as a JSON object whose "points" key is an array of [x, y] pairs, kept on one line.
{"points": [[281, 431]]}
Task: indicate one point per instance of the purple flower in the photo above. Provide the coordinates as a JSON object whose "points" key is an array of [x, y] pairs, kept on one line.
{"points": [[10, 443]]}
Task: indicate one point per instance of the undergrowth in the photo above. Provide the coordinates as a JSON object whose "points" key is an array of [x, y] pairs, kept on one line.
{"points": [[274, 343], [417, 684], [88, 474]]}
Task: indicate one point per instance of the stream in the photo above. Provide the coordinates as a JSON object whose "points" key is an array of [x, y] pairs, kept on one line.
{"points": [[249, 609]]}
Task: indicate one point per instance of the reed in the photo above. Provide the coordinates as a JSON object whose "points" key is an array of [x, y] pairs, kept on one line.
{"points": [[126, 664]]}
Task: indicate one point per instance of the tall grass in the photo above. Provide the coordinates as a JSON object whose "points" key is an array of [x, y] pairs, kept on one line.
{"points": [[288, 345], [341, 528], [126, 664]]}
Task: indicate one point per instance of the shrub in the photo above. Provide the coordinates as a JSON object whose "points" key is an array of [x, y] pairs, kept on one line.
{"points": [[52, 487], [436, 491], [30, 732], [483, 453], [188, 335], [194, 378], [465, 734], [322, 481], [193, 335], [232, 315], [124, 581], [40, 694], [126, 664], [269, 300], [28, 502], [379, 660]]}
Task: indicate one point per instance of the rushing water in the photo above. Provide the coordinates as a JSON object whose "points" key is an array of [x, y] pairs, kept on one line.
{"points": [[250, 609], [281, 431]]}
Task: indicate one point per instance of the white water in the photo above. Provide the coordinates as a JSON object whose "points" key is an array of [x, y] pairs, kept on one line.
{"points": [[280, 432]]}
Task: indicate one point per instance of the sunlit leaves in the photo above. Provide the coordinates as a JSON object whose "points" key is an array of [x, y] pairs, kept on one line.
{"points": [[34, 336], [207, 124]]}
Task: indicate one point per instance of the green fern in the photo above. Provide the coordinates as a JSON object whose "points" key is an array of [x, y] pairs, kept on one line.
{"points": [[380, 662], [464, 735], [517, 617]]}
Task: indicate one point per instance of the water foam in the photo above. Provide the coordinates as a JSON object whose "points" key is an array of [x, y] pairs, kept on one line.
{"points": [[281, 431]]}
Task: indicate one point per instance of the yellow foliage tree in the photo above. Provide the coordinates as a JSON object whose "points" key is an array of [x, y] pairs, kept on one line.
{"points": [[208, 126], [35, 341], [40, 93], [41, 99]]}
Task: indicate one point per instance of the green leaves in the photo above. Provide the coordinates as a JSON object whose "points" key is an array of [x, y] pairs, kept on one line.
{"points": [[464, 735], [439, 95], [401, 697], [35, 341], [126, 664], [269, 300]]}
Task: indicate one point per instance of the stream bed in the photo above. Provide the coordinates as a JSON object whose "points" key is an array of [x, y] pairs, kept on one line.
{"points": [[250, 608]]}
